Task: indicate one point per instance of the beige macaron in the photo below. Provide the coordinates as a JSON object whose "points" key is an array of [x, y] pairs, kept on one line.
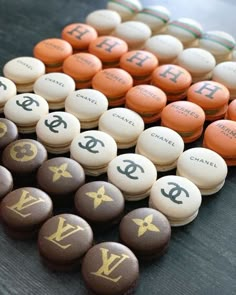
{"points": [[7, 90]]}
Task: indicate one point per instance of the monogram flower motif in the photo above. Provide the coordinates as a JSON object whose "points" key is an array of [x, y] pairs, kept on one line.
{"points": [[145, 225], [99, 197], [59, 171], [22, 151]]}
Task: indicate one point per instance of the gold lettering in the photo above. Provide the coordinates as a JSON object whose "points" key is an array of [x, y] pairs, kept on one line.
{"points": [[26, 200], [63, 231], [106, 269]]}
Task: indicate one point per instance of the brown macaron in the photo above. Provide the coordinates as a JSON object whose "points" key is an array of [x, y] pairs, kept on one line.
{"points": [[146, 232], [8, 132], [63, 240], [110, 268], [100, 203], [24, 210], [6, 182]]}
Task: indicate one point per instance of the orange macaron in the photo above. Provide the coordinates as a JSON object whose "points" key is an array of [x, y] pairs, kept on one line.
{"points": [[82, 67], [213, 97], [231, 111], [140, 64], [220, 136], [146, 100], [79, 35], [52, 52], [184, 117], [114, 83], [172, 79], [109, 49]]}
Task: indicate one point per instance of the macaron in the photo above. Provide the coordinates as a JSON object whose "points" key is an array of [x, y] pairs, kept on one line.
{"points": [[82, 67], [104, 21], [54, 87], [165, 47], [60, 177], [177, 198], [203, 167], [225, 73], [52, 52], [211, 96], [184, 117], [6, 182], [87, 105], [146, 232], [23, 71], [23, 157], [7, 90], [147, 100], [114, 84], [94, 150], [173, 80], [79, 35], [57, 130], [100, 203], [231, 111], [220, 136], [187, 30], [123, 125], [139, 64], [8, 132], [127, 9], [25, 110], [161, 145], [110, 268], [219, 43], [134, 33], [24, 210], [155, 16], [63, 241], [133, 174], [198, 62], [108, 49]]}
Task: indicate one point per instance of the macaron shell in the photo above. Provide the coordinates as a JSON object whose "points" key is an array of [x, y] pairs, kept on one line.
{"points": [[6, 182], [7, 90], [23, 69], [181, 205], [202, 166], [79, 35], [231, 112], [53, 50], [171, 78], [8, 132], [126, 8], [225, 73]]}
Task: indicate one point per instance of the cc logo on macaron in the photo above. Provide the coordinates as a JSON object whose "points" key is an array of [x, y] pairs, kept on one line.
{"points": [[130, 169], [175, 192]]}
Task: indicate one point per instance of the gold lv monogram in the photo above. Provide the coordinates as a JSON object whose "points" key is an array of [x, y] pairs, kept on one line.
{"points": [[63, 231], [109, 265], [26, 200]]}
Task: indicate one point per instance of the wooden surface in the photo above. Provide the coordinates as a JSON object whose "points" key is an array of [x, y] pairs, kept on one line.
{"points": [[202, 255]]}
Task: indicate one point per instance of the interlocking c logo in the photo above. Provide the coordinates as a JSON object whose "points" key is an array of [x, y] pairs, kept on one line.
{"points": [[55, 123], [26, 103], [175, 192], [91, 143], [3, 85], [130, 169]]}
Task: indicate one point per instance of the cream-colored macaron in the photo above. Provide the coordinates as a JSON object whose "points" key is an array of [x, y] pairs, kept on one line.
{"points": [[57, 130], [204, 167], [7, 90], [198, 62], [126, 8], [93, 150], [176, 197], [133, 174], [24, 71], [87, 105], [104, 21], [165, 47], [123, 125], [25, 110], [155, 16], [134, 33], [54, 87], [161, 145]]}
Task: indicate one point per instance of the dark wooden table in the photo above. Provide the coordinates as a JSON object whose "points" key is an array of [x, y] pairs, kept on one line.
{"points": [[202, 255]]}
